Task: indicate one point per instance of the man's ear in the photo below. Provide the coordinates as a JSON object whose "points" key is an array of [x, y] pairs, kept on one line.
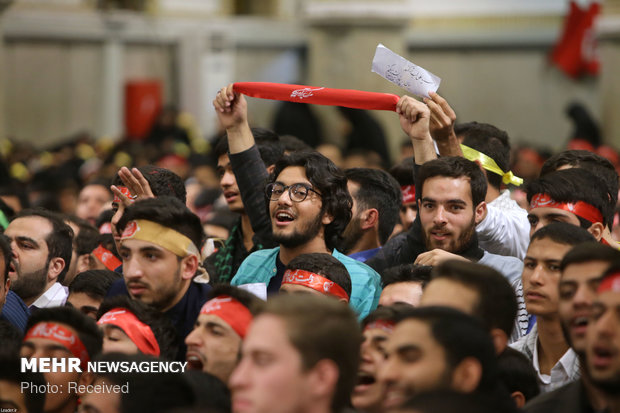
{"points": [[327, 218], [323, 378], [480, 212], [189, 265], [500, 340], [597, 230], [270, 168], [83, 263], [518, 398], [466, 375], [55, 267], [370, 218]]}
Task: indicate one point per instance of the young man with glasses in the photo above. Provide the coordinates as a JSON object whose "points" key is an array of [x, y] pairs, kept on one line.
{"points": [[309, 206]]}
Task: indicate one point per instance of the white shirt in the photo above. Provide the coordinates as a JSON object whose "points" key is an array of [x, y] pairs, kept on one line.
{"points": [[566, 370], [505, 230], [55, 296]]}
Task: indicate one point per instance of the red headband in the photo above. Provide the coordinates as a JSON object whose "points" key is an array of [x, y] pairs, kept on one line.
{"points": [[235, 314], [579, 208], [138, 332], [611, 283], [408, 193], [318, 95], [316, 282], [106, 257], [125, 191], [384, 325], [62, 336]]}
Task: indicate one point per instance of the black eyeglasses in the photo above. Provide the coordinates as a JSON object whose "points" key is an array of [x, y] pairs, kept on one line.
{"points": [[297, 192]]}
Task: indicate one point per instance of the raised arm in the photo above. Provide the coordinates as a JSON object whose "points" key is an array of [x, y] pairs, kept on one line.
{"points": [[414, 117], [442, 125]]}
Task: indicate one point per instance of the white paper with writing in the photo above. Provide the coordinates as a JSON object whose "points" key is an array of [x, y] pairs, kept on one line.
{"points": [[403, 73]]}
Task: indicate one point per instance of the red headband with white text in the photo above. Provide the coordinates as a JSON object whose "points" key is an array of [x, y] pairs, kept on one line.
{"points": [[63, 336], [138, 332], [579, 208], [316, 282], [231, 311]]}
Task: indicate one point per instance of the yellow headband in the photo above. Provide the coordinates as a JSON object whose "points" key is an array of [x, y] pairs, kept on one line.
{"points": [[489, 164], [165, 237]]}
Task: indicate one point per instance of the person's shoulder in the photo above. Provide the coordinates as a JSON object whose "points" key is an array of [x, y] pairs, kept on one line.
{"points": [[263, 254], [556, 400], [353, 265]]}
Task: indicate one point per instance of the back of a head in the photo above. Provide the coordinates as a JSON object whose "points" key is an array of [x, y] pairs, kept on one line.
{"points": [[461, 336], [589, 252], [163, 182], [497, 303], [403, 172], [563, 233], [451, 401], [325, 265], [377, 189], [573, 185], [517, 373], [407, 273], [168, 212], [492, 142], [94, 283], [330, 182], [87, 330], [454, 167], [322, 328]]}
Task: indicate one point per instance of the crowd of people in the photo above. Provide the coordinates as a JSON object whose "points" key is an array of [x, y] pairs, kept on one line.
{"points": [[288, 278]]}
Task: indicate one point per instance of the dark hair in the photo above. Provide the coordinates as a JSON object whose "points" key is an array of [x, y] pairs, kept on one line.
{"points": [[10, 371], [563, 233], [492, 142], [104, 217], [247, 299], [322, 328], [211, 395], [573, 185], [268, 143], [517, 373], [386, 313], [377, 189], [11, 338], [448, 400], [169, 212], [87, 330], [330, 181], [460, 336], [293, 143], [589, 161], [86, 240], [497, 304], [403, 172], [60, 239], [163, 182], [588, 252], [162, 327], [407, 273], [325, 265], [454, 167], [94, 283], [7, 254]]}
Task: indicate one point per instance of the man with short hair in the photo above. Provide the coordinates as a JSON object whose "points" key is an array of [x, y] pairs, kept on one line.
{"points": [[317, 273], [555, 362], [438, 348], [160, 247], [94, 197], [215, 343], [12, 308], [41, 244], [309, 206], [83, 233], [582, 268], [603, 339], [62, 333], [376, 201], [477, 290], [89, 288], [404, 284], [300, 355], [574, 196]]}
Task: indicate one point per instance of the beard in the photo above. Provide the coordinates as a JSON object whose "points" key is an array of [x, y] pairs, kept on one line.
{"points": [[300, 237], [30, 285], [454, 245], [610, 386], [351, 235]]}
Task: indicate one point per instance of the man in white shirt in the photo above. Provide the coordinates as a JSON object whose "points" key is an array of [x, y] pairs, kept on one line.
{"points": [[41, 245], [545, 345]]}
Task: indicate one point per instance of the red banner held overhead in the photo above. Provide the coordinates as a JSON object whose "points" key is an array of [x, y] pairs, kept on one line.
{"points": [[575, 52], [355, 99]]}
